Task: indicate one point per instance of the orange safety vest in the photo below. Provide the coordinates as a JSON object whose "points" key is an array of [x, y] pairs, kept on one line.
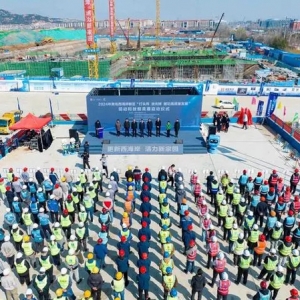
{"points": [[130, 195], [261, 246], [128, 206], [220, 265], [213, 249]]}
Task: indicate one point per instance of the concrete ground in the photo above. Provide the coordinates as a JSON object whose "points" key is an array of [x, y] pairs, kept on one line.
{"points": [[252, 149], [73, 103]]}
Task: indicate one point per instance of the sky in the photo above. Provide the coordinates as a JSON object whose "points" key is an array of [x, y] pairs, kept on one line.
{"points": [[235, 10]]}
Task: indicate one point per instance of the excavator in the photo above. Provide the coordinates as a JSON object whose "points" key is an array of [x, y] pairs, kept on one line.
{"points": [[45, 41]]}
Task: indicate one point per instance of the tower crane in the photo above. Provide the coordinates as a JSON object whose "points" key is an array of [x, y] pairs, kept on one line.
{"points": [[90, 27], [112, 26], [157, 23]]}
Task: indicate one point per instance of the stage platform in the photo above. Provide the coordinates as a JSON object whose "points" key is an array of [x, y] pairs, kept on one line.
{"points": [[111, 144]]}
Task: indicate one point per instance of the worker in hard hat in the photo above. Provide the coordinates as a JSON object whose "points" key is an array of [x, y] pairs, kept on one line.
{"points": [[44, 222], [66, 222], [90, 263], [29, 295], [10, 284], [17, 235], [276, 281], [169, 282], [263, 292], [46, 262], [270, 263], [292, 267], [244, 263], [95, 282], [294, 295], [28, 220], [38, 237], [87, 295], [28, 250], [81, 235], [8, 250], [118, 285], [64, 281], [22, 268], [41, 284], [123, 265], [73, 265], [145, 218], [60, 294], [17, 209], [9, 219], [88, 203], [143, 281], [100, 251], [75, 245], [165, 263]]}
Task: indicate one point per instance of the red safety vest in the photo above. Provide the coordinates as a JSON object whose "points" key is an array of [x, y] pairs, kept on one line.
{"points": [[197, 190], [280, 186], [204, 209], [200, 201], [220, 265], [213, 249], [223, 288], [296, 179], [192, 255], [194, 179], [206, 223], [296, 206], [274, 179], [287, 197]]}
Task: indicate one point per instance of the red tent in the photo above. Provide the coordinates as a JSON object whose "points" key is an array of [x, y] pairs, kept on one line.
{"points": [[31, 122]]}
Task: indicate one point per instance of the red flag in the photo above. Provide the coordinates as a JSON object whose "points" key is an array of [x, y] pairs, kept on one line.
{"points": [[253, 102], [284, 110]]}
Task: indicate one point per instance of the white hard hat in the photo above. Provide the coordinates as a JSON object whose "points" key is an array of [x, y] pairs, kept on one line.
{"points": [[6, 271], [56, 224], [46, 178], [295, 252], [19, 255], [77, 179], [24, 187], [28, 292], [163, 167], [30, 179], [181, 187], [195, 171], [235, 226], [220, 192], [81, 171], [96, 169], [204, 202], [52, 197], [112, 178], [7, 238], [246, 253], [81, 224], [115, 169], [8, 210], [278, 224], [223, 202], [52, 238], [230, 213], [109, 186], [45, 249], [179, 169], [107, 194], [91, 185], [124, 225], [180, 178], [207, 216], [273, 251], [211, 227], [15, 226], [220, 255], [26, 210], [250, 213], [214, 239], [224, 276], [42, 270], [280, 269], [255, 227], [241, 236], [16, 198], [38, 168], [72, 237], [242, 199], [237, 191], [71, 252], [40, 189], [41, 210], [198, 181], [64, 271]]}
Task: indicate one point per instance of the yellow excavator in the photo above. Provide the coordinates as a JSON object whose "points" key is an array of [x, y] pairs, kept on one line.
{"points": [[45, 41]]}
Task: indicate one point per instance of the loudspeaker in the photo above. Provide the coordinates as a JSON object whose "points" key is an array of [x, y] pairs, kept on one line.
{"points": [[178, 141], [74, 134], [106, 142], [212, 130]]}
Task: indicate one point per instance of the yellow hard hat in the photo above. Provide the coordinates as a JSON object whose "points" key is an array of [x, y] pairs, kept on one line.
{"points": [[118, 298], [90, 255], [129, 179], [130, 188], [59, 292], [26, 238], [63, 179], [129, 167], [119, 275], [125, 214], [87, 294], [95, 270]]}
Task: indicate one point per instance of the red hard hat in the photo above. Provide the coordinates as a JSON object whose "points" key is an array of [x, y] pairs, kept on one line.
{"points": [[192, 243], [123, 238], [144, 224], [272, 189], [290, 213], [266, 182], [52, 169], [262, 237], [143, 269], [10, 169], [288, 189], [145, 187], [263, 284], [56, 186], [145, 214], [296, 170], [8, 188], [146, 169], [296, 198], [146, 199], [259, 174], [121, 252], [65, 212], [294, 292], [103, 227], [274, 171], [144, 255], [186, 212], [146, 179], [25, 169], [190, 227], [143, 238], [66, 169], [244, 171], [280, 199], [280, 179], [99, 241], [262, 199], [104, 210], [2, 179], [288, 239], [69, 197]]}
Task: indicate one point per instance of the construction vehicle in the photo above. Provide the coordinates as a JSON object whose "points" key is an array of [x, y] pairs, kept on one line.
{"points": [[128, 44], [210, 44], [45, 41], [8, 119]]}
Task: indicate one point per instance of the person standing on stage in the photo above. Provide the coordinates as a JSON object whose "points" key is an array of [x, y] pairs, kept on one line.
{"points": [[127, 127], [97, 126], [158, 126], [142, 127], [149, 127], [176, 127], [118, 127], [134, 126], [168, 127]]}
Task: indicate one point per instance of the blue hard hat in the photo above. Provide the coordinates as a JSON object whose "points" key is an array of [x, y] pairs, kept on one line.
{"points": [[163, 177], [173, 293], [169, 270], [164, 227], [165, 200], [168, 239], [166, 254], [165, 215]]}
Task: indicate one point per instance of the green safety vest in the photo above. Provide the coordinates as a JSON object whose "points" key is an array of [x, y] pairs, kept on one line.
{"points": [[172, 298], [27, 219], [45, 263], [165, 222], [58, 234], [165, 265], [82, 215], [240, 247], [79, 188], [276, 234], [249, 222], [236, 199], [285, 251], [88, 203], [163, 234], [161, 198], [54, 250], [70, 206], [21, 268], [234, 235], [75, 198], [168, 247], [17, 237], [254, 236], [229, 222], [223, 210], [165, 209], [230, 189], [163, 184], [91, 265], [245, 263], [41, 284], [219, 198], [119, 285], [214, 186], [82, 178], [92, 193], [97, 175], [80, 232], [294, 262], [65, 221], [277, 281], [9, 176], [125, 233], [169, 281], [27, 247], [63, 281], [224, 181], [73, 245], [271, 265], [71, 260], [242, 209]]}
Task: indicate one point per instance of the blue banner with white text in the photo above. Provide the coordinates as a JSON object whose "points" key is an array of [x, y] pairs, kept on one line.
{"points": [[260, 107], [271, 105]]}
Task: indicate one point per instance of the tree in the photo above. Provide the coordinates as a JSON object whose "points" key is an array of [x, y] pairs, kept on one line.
{"points": [[240, 34], [279, 42]]}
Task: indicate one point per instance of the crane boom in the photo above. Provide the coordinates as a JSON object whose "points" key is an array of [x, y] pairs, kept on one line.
{"points": [[215, 32], [124, 33], [157, 23]]}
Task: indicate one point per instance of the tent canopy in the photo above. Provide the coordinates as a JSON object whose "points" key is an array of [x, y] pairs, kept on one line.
{"points": [[30, 122]]}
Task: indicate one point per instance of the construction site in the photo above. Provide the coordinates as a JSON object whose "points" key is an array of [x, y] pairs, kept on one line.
{"points": [[122, 52]]}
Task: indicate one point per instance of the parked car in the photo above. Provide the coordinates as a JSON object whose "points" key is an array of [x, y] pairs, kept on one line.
{"points": [[225, 104]]}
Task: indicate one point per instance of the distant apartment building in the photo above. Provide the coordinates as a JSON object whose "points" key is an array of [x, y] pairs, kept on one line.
{"points": [[275, 24], [295, 25], [188, 24]]}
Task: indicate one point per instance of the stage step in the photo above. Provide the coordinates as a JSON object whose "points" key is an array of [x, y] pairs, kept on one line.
{"points": [[96, 149], [194, 149]]}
